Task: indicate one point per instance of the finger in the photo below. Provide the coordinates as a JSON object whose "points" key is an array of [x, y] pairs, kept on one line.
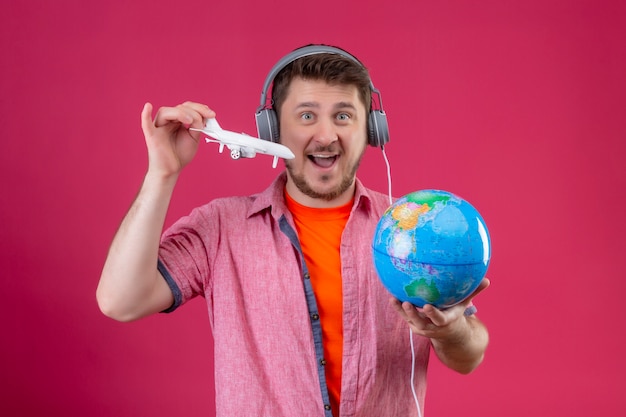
{"points": [[146, 119], [202, 109], [199, 113], [396, 304], [435, 315], [405, 312], [484, 284], [415, 315], [178, 114], [417, 320]]}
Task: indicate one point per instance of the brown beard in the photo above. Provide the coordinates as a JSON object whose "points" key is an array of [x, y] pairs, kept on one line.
{"points": [[301, 183]]}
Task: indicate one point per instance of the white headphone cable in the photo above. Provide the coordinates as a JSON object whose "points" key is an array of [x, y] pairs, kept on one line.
{"points": [[417, 404], [382, 148]]}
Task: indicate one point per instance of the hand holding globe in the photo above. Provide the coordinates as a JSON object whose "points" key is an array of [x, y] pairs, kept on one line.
{"points": [[434, 323]]}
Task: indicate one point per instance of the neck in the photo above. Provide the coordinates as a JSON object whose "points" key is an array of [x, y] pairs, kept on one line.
{"points": [[319, 202]]}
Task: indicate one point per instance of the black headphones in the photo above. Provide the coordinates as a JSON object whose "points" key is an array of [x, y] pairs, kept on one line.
{"points": [[267, 121]]}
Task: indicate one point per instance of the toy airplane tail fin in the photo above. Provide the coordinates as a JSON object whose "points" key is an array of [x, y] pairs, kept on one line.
{"points": [[211, 124]]}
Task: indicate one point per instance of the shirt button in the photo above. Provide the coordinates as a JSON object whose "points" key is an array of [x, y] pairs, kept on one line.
{"points": [[322, 361], [315, 316], [327, 406], [306, 275]]}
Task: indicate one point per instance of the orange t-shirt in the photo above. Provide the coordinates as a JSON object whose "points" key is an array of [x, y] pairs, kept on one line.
{"points": [[319, 232]]}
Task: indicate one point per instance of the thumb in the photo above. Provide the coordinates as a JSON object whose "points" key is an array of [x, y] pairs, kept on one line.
{"points": [[484, 284], [146, 120]]}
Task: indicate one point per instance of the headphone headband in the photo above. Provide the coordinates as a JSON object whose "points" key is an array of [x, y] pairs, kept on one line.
{"points": [[267, 124], [301, 53]]}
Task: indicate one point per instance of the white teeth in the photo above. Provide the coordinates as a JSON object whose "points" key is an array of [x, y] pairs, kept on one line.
{"points": [[324, 161]]}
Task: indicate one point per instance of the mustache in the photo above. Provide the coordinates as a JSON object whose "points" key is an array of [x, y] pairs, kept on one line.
{"points": [[332, 148]]}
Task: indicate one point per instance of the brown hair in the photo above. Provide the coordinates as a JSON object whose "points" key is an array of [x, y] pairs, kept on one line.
{"points": [[334, 69]]}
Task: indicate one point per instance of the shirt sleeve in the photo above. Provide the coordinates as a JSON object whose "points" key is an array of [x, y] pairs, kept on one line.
{"points": [[183, 258], [470, 310], [176, 292]]}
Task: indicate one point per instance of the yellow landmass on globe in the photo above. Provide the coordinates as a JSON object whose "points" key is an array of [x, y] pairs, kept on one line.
{"points": [[407, 214]]}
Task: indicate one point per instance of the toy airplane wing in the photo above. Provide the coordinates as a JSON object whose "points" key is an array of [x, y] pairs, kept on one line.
{"points": [[242, 145]]}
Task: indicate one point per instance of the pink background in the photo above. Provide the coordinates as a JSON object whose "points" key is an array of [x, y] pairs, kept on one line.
{"points": [[518, 106]]}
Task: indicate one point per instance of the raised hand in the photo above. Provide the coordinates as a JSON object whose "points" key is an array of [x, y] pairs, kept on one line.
{"points": [[170, 144]]}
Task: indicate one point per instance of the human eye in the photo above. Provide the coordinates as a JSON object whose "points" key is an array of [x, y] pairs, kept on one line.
{"points": [[306, 116], [344, 117]]}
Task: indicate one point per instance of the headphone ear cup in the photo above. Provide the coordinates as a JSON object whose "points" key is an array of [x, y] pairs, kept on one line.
{"points": [[267, 125], [378, 130]]}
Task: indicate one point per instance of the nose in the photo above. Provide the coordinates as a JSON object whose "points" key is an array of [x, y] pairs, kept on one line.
{"points": [[326, 133]]}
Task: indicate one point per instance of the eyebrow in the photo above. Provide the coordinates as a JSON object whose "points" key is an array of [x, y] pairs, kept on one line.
{"points": [[337, 106]]}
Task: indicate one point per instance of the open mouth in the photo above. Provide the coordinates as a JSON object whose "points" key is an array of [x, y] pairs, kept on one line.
{"points": [[323, 161]]}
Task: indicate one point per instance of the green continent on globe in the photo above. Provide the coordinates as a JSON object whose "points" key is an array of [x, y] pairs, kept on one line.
{"points": [[422, 289], [427, 197]]}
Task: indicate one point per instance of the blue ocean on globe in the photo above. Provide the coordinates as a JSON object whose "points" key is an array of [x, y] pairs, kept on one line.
{"points": [[431, 247]]}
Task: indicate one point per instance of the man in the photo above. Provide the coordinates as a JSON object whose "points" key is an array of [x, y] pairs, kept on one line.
{"points": [[302, 325]]}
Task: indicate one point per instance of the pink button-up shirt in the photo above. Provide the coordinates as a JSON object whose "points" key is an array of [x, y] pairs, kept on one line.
{"points": [[242, 254]]}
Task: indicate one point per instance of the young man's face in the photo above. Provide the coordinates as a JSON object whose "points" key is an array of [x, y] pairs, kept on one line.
{"points": [[325, 127]]}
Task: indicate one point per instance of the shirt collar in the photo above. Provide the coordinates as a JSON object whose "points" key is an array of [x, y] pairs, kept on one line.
{"points": [[273, 198]]}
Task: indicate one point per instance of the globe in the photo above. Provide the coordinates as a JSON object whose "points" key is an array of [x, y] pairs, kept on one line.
{"points": [[431, 247]]}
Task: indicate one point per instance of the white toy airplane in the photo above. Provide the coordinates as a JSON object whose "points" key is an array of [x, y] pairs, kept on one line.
{"points": [[242, 145]]}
